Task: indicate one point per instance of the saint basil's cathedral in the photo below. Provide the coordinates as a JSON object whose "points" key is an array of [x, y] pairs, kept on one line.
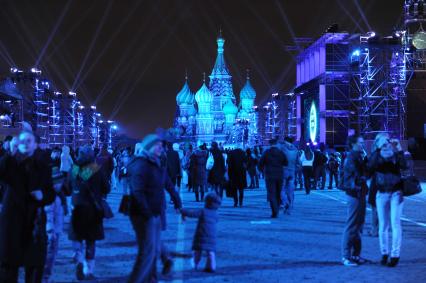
{"points": [[212, 114]]}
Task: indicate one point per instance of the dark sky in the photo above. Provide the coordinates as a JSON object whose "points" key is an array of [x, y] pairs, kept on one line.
{"points": [[129, 57]]}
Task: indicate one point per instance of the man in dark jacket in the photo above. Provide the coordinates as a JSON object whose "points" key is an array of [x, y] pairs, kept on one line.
{"points": [[173, 165], [354, 184], [320, 164], [147, 179], [217, 173], [23, 236], [199, 172], [237, 171], [272, 164]]}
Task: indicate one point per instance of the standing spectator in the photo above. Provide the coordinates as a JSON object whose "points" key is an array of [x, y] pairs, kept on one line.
{"points": [[292, 155], [89, 186], [252, 169], [173, 166], [55, 214], [23, 238], [307, 160], [199, 172], [186, 165], [272, 164], [355, 186], [320, 164], [206, 231], [333, 169], [237, 164], [299, 170], [217, 173], [105, 160], [147, 198], [386, 164], [66, 160]]}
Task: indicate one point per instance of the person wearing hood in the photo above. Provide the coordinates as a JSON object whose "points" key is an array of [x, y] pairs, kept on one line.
{"points": [[292, 155], [23, 238], [206, 231], [198, 169], [386, 164], [89, 186], [147, 179]]}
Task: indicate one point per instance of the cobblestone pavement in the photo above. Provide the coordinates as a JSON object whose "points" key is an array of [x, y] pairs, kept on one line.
{"points": [[303, 246]]}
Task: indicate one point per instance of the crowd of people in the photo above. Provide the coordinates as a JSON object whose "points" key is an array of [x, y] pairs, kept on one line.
{"points": [[39, 187]]}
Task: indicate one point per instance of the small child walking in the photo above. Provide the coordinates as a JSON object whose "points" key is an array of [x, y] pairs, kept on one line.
{"points": [[205, 233]]}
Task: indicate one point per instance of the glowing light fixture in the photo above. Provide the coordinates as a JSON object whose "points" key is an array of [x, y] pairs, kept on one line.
{"points": [[313, 123]]}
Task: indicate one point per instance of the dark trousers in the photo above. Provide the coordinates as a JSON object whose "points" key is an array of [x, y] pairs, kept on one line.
{"points": [[9, 274], [148, 237], [218, 189], [320, 172], [351, 243], [333, 175], [307, 176], [254, 181], [274, 187], [238, 196], [199, 189]]}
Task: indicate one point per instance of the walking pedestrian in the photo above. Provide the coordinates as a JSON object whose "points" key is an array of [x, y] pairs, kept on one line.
{"points": [[23, 238], [199, 172], [333, 166], [89, 186], [206, 231], [289, 181], [217, 173], [147, 201], [320, 163], [174, 168], [307, 158], [272, 164], [252, 169], [237, 174], [386, 164], [355, 186]]}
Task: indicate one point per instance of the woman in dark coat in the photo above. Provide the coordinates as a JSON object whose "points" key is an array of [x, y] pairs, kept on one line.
{"points": [[89, 186], [237, 164], [217, 173], [23, 239], [199, 172]]}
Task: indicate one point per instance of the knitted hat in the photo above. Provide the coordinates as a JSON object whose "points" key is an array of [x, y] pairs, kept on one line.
{"points": [[148, 142]]}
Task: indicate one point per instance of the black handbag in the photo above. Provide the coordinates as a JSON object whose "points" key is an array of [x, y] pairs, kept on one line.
{"points": [[124, 207], [411, 186]]}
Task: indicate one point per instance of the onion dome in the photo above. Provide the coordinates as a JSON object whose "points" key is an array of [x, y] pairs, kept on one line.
{"points": [[247, 92], [204, 95], [230, 108], [185, 96], [192, 111]]}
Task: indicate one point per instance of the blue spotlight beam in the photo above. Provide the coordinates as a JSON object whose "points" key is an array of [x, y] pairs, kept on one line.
{"points": [[287, 22], [108, 43], [92, 43], [52, 34], [364, 18], [350, 16], [149, 63]]}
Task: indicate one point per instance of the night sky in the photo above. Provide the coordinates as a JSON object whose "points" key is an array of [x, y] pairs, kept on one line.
{"points": [[129, 57]]}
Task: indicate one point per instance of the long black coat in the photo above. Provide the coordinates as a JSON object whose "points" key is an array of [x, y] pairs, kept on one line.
{"points": [[198, 167], [237, 164], [86, 219], [22, 219], [217, 173], [173, 164]]}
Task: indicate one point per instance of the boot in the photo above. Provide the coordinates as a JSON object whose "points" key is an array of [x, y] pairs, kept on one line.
{"points": [[384, 260], [393, 261], [197, 197]]}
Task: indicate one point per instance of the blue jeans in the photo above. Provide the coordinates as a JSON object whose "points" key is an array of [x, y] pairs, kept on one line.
{"points": [[148, 236], [287, 194], [351, 244]]}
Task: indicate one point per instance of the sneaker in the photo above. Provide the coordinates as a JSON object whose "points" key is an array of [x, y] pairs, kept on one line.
{"points": [[167, 267], [348, 262], [384, 260], [359, 260], [393, 261]]}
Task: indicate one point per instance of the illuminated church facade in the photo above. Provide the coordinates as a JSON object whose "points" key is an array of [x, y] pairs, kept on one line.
{"points": [[212, 113]]}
